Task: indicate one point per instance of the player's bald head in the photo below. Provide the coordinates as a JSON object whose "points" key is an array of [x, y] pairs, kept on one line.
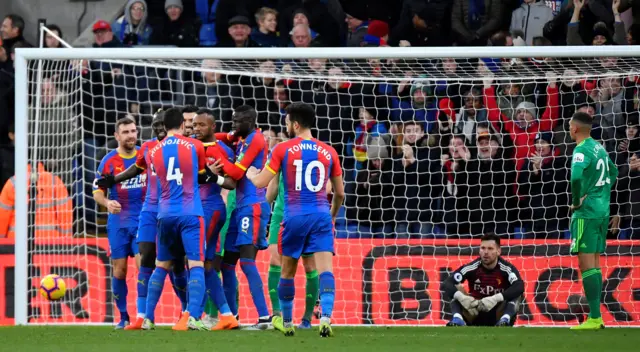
{"points": [[244, 120]]}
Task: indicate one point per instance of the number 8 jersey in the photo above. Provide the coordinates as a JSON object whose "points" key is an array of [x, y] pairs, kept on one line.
{"points": [[177, 161], [306, 166]]}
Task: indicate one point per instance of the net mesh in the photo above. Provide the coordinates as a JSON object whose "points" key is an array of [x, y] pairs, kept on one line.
{"points": [[435, 153]]}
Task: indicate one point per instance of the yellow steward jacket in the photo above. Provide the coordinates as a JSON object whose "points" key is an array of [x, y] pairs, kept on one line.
{"points": [[54, 211]]}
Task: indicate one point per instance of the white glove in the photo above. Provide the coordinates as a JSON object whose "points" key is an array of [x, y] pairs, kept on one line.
{"points": [[467, 302], [487, 303]]}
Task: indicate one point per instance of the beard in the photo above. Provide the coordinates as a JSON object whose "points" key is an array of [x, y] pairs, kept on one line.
{"points": [[291, 133]]}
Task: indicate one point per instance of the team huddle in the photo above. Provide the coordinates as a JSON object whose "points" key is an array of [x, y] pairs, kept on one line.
{"points": [[166, 207]]}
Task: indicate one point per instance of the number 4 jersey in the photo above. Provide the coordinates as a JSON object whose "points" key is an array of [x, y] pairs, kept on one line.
{"points": [[177, 161], [592, 175], [306, 165]]}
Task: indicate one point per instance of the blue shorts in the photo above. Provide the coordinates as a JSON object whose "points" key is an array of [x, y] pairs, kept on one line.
{"points": [[122, 242], [248, 225], [179, 236], [214, 219], [306, 234], [147, 227]]}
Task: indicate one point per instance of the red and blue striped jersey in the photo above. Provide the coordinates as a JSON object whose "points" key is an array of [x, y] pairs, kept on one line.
{"points": [[129, 193], [177, 161], [210, 192], [306, 165], [143, 160], [251, 151]]}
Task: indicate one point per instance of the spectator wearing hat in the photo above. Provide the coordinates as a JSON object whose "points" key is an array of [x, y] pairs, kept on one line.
{"points": [[491, 179], [426, 25], [265, 33], [418, 105], [378, 29], [509, 97], [176, 29], [357, 27], [473, 21], [132, 28], [544, 189], [103, 36], [299, 16], [239, 31], [530, 18], [601, 34], [526, 123]]}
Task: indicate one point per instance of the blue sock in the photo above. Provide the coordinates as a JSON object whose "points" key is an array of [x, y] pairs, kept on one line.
{"points": [[156, 284], [120, 296], [143, 285], [179, 282], [250, 270], [286, 293], [216, 293], [327, 293], [230, 286], [196, 291]]}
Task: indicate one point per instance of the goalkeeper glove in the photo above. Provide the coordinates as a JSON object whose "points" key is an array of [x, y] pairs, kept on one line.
{"points": [[488, 303], [107, 181], [467, 302]]}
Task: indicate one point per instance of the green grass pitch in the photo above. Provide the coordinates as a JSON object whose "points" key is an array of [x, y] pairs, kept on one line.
{"points": [[365, 339]]}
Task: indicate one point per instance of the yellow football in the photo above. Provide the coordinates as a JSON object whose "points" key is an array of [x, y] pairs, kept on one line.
{"points": [[52, 287]]}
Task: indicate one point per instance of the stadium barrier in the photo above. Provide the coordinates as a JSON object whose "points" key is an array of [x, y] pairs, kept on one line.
{"points": [[378, 282]]}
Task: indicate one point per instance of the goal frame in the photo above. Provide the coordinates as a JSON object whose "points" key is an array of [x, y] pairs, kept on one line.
{"points": [[23, 55]]}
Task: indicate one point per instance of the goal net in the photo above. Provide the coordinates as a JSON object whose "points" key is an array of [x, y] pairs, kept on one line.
{"points": [[438, 147]]}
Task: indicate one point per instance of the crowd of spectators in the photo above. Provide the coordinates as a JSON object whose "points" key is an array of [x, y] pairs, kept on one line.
{"points": [[458, 156]]}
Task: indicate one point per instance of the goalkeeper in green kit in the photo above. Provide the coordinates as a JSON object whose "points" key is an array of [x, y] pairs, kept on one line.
{"points": [[592, 176]]}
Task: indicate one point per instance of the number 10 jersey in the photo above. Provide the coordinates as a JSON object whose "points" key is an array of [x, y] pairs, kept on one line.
{"points": [[306, 166]]}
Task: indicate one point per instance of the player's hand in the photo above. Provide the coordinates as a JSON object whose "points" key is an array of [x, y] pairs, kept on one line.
{"points": [[466, 301], [488, 303], [574, 208], [216, 167], [614, 224], [252, 172], [113, 207], [107, 181]]}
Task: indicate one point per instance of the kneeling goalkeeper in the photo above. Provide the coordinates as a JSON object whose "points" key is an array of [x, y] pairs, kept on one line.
{"points": [[494, 285]]}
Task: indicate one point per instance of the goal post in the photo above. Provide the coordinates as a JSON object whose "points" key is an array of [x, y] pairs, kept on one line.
{"points": [[384, 275]]}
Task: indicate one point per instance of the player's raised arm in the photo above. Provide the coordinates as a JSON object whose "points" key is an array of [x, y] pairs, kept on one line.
{"points": [[237, 170]]}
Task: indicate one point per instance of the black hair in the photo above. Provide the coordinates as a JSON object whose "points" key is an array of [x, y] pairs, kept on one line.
{"points": [[208, 112], [491, 237], [173, 119], [189, 108], [303, 114], [247, 112], [17, 22], [583, 118]]}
